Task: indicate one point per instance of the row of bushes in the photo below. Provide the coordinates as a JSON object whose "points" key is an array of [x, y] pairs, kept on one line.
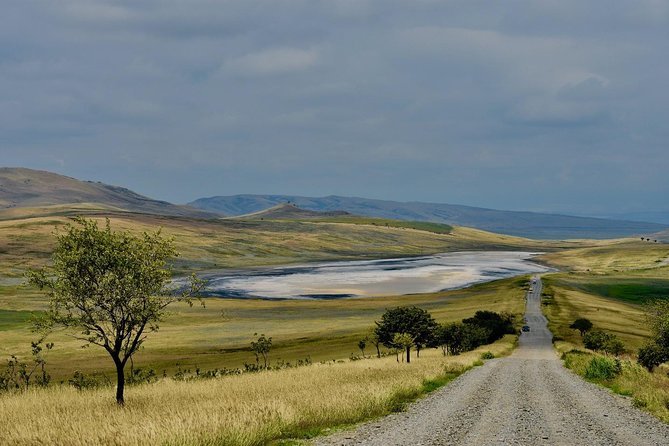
{"points": [[403, 328]]}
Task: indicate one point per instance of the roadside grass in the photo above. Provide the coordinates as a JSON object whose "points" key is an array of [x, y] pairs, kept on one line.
{"points": [[219, 334], [567, 303], [609, 285], [247, 409], [649, 391]]}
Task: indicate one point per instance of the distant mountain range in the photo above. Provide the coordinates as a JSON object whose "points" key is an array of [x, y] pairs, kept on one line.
{"points": [[524, 224], [27, 188], [21, 188]]}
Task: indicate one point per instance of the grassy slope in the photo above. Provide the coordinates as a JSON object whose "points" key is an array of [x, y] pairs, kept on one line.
{"points": [[219, 335], [609, 285], [27, 241], [250, 409]]}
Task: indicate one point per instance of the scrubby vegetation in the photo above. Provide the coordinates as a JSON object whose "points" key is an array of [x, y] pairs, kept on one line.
{"points": [[649, 390]]}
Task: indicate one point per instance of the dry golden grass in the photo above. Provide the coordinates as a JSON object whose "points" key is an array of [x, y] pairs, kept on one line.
{"points": [[610, 256], [649, 391], [219, 335], [249, 409], [625, 320]]}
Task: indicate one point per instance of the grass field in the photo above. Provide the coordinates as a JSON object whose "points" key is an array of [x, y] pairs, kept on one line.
{"points": [[26, 241], [250, 409], [219, 335], [608, 285]]}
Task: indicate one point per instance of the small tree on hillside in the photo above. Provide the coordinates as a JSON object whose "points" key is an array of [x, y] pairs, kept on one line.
{"points": [[373, 338], [362, 344], [656, 351], [583, 325], [414, 321], [111, 287], [261, 348], [403, 341]]}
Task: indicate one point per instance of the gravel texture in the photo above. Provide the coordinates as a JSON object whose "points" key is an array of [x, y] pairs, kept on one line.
{"points": [[528, 398]]}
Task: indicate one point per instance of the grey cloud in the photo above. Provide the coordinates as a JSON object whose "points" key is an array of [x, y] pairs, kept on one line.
{"points": [[555, 105]]}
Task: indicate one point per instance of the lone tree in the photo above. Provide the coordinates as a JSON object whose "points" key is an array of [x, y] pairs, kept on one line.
{"points": [[582, 325], [414, 321], [261, 348], [362, 344], [373, 338], [656, 351], [111, 287]]}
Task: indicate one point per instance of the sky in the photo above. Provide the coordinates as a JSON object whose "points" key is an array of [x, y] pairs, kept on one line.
{"points": [[556, 105]]}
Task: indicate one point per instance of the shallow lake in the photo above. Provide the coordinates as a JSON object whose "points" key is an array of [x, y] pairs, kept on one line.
{"points": [[372, 277]]}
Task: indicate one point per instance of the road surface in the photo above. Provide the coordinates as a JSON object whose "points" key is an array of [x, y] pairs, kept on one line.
{"points": [[527, 398]]}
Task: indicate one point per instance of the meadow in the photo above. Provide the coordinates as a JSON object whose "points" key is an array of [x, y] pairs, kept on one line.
{"points": [[249, 409], [219, 334], [609, 285]]}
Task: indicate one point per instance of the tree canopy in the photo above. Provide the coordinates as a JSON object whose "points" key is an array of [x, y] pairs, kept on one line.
{"points": [[109, 286], [413, 321]]}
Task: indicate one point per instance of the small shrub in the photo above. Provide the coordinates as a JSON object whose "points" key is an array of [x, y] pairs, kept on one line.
{"points": [[603, 368], [603, 342], [652, 355], [487, 355], [81, 382], [639, 403], [141, 376]]}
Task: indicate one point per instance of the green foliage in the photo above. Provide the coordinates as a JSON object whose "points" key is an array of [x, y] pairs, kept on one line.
{"points": [[110, 287], [603, 368], [81, 381], [487, 355], [603, 342], [261, 348], [651, 355], [496, 324], [18, 375], [658, 316], [413, 321], [630, 290], [583, 325], [457, 338]]}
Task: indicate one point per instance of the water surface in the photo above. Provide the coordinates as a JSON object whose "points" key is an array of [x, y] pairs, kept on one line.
{"points": [[366, 278]]}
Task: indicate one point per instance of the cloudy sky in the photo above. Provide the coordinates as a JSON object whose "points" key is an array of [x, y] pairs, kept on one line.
{"points": [[541, 105]]}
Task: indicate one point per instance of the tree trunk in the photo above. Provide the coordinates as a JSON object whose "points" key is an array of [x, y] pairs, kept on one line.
{"points": [[120, 383], [408, 355], [417, 352], [378, 351]]}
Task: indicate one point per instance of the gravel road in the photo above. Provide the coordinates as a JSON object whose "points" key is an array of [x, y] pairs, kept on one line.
{"points": [[528, 398]]}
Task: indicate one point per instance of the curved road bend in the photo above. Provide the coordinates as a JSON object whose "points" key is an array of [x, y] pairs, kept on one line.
{"points": [[527, 398]]}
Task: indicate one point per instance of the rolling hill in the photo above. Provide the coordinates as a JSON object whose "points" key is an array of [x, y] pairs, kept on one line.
{"points": [[28, 188], [288, 211], [523, 224]]}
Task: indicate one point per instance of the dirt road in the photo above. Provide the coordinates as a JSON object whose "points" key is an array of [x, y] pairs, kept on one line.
{"points": [[528, 398]]}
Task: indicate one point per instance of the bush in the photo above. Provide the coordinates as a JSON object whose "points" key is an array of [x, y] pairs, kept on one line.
{"points": [[603, 342], [496, 324], [583, 325], [602, 368], [80, 381], [652, 355], [487, 355]]}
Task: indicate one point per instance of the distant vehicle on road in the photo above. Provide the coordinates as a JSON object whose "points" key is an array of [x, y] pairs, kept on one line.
{"points": [[526, 328]]}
